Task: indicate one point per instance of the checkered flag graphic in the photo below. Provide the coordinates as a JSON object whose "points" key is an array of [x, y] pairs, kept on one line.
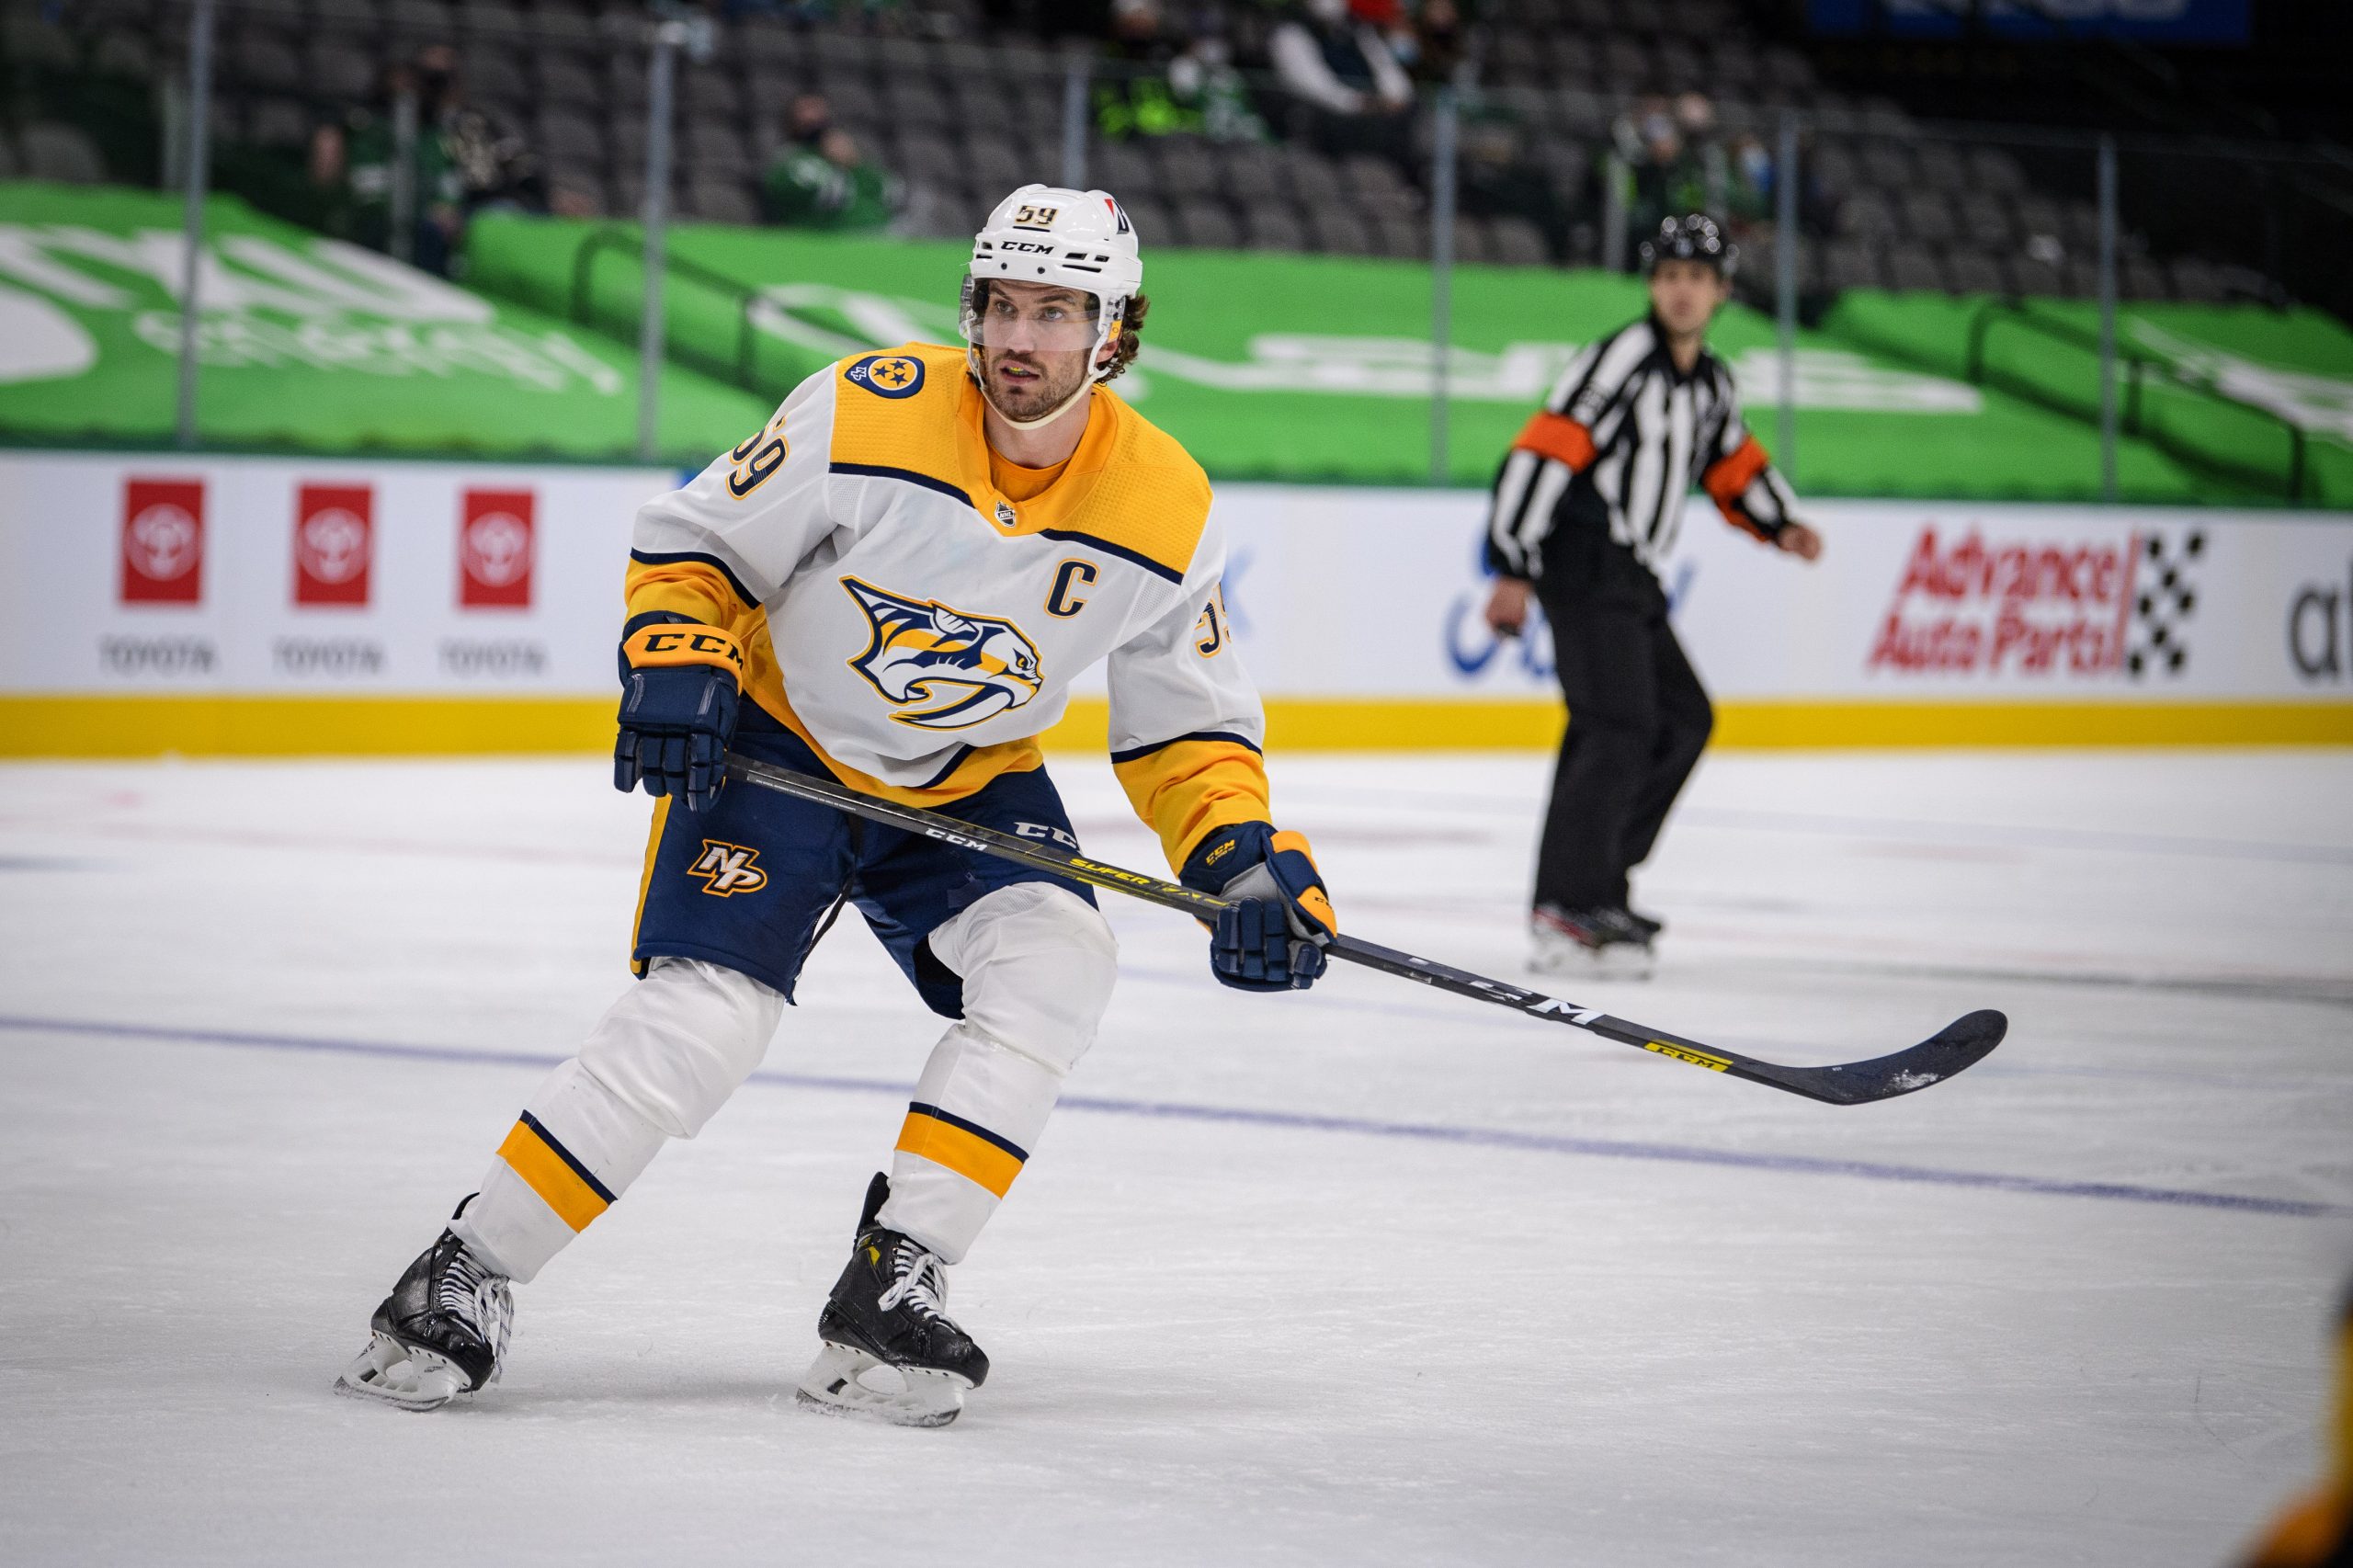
{"points": [[2165, 602]]}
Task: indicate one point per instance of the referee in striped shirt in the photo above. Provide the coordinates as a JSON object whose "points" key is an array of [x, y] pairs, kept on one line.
{"points": [[1584, 509]]}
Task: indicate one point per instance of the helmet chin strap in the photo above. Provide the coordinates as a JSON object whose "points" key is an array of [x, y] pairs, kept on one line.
{"points": [[1046, 419]]}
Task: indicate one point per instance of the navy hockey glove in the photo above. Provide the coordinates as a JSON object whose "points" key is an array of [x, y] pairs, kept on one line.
{"points": [[1272, 937], [680, 683]]}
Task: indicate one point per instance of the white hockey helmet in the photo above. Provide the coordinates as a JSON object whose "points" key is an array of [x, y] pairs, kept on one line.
{"points": [[1073, 239]]}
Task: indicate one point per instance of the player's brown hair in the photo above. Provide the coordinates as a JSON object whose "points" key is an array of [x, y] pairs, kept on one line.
{"points": [[1129, 343]]}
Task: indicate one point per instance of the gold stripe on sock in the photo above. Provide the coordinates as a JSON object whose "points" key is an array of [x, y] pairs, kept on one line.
{"points": [[550, 1175], [969, 1156]]}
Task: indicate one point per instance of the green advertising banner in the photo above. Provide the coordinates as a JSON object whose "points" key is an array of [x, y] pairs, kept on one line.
{"points": [[1267, 367], [1319, 367], [306, 343], [2248, 396]]}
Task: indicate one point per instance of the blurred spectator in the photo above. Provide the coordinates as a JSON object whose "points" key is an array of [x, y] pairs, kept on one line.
{"points": [[1431, 49], [461, 162], [1672, 163], [808, 119], [1139, 35], [1498, 179], [825, 182], [1749, 192], [1204, 79], [1353, 95], [1703, 145], [497, 169], [567, 199], [1160, 85], [359, 156], [1132, 97]]}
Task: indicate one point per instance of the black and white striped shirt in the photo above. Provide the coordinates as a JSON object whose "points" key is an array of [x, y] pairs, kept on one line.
{"points": [[1621, 440]]}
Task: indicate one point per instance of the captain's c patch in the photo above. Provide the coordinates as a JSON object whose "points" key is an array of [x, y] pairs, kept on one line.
{"points": [[887, 375], [728, 868]]}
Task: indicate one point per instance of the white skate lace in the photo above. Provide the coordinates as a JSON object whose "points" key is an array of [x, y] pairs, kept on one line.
{"points": [[471, 1293], [921, 1281]]}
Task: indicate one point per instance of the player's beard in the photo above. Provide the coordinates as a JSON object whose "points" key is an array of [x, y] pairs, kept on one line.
{"points": [[1054, 378]]}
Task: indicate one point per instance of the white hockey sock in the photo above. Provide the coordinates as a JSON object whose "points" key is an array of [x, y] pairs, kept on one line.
{"points": [[1038, 962], [977, 1113], [662, 1059]]}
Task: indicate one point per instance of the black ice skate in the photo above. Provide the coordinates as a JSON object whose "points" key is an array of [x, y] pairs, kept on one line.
{"points": [[442, 1333], [888, 1309], [1607, 942]]}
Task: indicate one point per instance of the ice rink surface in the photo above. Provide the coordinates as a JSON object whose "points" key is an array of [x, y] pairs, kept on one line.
{"points": [[1368, 1276]]}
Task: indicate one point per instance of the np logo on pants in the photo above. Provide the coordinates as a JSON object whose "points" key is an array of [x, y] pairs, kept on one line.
{"points": [[728, 868]]}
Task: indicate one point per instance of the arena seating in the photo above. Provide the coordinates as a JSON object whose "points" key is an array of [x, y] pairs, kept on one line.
{"points": [[962, 117]]}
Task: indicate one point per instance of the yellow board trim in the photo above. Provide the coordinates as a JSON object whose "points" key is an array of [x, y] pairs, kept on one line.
{"points": [[975, 1159], [1346, 723], [302, 726], [545, 1172], [107, 725]]}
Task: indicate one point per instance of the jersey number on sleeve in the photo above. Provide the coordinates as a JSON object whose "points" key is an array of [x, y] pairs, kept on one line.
{"points": [[754, 460], [1212, 625]]}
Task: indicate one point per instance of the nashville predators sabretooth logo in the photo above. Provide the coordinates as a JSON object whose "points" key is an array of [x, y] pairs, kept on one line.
{"points": [[728, 868], [942, 669]]}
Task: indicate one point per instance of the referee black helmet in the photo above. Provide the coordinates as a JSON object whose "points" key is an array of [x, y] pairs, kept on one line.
{"points": [[1693, 237]]}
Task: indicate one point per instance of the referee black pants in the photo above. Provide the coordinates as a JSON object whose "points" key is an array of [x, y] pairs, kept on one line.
{"points": [[1638, 721]]}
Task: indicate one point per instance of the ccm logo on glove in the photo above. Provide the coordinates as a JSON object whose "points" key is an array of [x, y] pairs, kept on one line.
{"points": [[664, 647], [681, 682], [1270, 936]]}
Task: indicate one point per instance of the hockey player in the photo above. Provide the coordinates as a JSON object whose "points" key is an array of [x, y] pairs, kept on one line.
{"points": [[1585, 506], [894, 583]]}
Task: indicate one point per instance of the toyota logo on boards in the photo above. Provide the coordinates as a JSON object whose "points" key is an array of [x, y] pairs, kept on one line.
{"points": [[333, 539], [162, 540], [494, 550]]}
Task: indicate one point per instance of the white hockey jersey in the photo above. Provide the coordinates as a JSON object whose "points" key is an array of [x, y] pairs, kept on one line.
{"points": [[915, 609]]}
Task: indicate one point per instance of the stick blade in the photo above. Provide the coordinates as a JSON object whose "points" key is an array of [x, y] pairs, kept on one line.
{"points": [[1960, 1044]]}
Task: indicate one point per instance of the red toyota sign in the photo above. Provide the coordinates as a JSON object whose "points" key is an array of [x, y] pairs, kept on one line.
{"points": [[163, 541], [334, 540], [496, 548]]}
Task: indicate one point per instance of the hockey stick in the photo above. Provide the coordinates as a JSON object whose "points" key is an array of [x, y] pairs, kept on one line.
{"points": [[1959, 1044]]}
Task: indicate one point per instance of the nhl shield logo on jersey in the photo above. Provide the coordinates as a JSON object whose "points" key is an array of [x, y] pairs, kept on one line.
{"points": [[944, 669], [728, 868], [887, 375]]}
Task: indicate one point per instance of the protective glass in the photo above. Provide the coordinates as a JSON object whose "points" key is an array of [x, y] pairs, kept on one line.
{"points": [[1046, 322]]}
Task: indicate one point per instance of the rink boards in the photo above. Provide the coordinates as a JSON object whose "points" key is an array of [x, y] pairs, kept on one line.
{"points": [[158, 603]]}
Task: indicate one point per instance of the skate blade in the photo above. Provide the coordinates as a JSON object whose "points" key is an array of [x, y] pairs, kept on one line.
{"points": [[1618, 961], [396, 1374], [835, 1384]]}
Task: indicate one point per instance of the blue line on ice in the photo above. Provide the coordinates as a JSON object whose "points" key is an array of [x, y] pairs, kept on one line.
{"points": [[1482, 1137]]}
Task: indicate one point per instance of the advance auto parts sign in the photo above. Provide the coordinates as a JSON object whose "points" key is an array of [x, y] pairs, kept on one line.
{"points": [[1970, 603], [1375, 593]]}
